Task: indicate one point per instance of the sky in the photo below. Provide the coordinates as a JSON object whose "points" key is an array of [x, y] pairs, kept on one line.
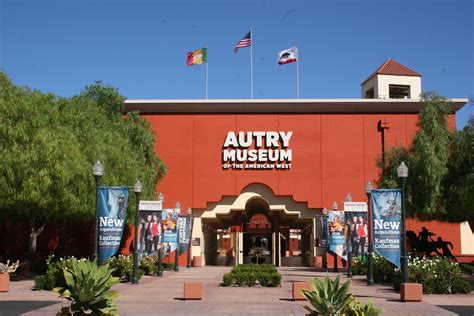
{"points": [[140, 46]]}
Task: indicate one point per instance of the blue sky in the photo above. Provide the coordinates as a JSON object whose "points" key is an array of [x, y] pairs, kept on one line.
{"points": [[140, 46]]}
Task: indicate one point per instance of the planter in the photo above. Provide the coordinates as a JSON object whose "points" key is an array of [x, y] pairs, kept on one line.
{"points": [[197, 261], [4, 282]]}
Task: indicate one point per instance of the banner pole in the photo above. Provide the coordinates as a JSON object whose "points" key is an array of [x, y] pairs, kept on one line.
{"points": [[297, 72], [251, 66], [206, 70]]}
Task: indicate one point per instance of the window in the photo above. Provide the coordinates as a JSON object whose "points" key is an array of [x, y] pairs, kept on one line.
{"points": [[399, 91], [369, 94]]}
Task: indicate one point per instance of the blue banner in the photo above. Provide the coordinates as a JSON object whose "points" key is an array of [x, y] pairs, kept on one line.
{"points": [[170, 230], [112, 216], [386, 214], [336, 225], [185, 229]]}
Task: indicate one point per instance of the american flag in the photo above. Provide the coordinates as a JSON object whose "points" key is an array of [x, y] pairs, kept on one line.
{"points": [[244, 42]]}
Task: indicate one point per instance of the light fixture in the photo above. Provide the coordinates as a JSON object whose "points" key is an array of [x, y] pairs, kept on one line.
{"points": [[177, 206], [161, 197], [368, 187], [334, 206], [402, 170], [98, 169], [348, 197], [137, 188], [190, 211]]}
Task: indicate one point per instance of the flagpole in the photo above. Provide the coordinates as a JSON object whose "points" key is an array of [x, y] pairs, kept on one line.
{"points": [[251, 66], [207, 61], [297, 72]]}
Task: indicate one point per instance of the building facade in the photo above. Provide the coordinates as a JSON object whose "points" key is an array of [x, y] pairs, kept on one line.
{"points": [[258, 173]]}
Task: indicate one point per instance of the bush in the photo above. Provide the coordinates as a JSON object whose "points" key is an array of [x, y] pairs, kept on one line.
{"points": [[275, 279], [168, 266], [249, 274], [123, 267], [331, 298], [383, 269], [467, 268], [228, 279], [437, 275], [251, 278], [45, 282], [88, 288], [461, 286], [240, 278], [264, 278], [149, 265], [54, 273]]}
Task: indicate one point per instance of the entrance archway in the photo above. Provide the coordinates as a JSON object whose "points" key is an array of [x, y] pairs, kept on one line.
{"points": [[231, 226]]}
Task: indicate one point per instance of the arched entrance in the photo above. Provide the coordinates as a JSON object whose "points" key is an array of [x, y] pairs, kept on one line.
{"points": [[280, 229]]}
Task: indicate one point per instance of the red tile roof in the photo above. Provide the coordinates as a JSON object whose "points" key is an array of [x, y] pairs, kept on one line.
{"points": [[394, 68]]}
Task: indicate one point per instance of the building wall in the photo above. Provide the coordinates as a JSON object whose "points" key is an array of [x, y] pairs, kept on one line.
{"points": [[333, 154]]}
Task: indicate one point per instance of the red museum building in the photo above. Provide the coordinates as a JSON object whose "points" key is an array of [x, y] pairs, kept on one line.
{"points": [[259, 172]]}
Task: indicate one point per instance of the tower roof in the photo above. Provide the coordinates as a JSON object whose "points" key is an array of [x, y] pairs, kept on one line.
{"points": [[394, 68]]}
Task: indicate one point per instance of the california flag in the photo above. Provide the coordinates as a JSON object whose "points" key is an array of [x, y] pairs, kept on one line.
{"points": [[288, 56]]}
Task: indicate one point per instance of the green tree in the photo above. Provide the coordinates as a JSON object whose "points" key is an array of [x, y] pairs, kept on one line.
{"points": [[458, 185], [48, 145], [428, 158]]}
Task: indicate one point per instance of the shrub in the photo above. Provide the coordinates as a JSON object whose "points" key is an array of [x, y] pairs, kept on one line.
{"points": [[467, 268], [168, 266], [461, 286], [251, 278], [45, 282], [264, 278], [249, 274], [240, 278], [383, 269], [88, 288], [437, 275], [275, 279], [330, 298], [357, 308], [149, 265], [54, 273], [327, 297], [228, 279]]}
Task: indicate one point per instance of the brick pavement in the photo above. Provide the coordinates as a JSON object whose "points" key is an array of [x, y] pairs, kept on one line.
{"points": [[163, 296]]}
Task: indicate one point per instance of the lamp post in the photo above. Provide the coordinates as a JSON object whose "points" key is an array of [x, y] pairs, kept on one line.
{"points": [[159, 271], [190, 216], [336, 269], [97, 171], [370, 261], [325, 238], [176, 258], [349, 242], [137, 189], [402, 171]]}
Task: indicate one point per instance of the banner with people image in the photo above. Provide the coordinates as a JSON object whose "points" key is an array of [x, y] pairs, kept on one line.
{"points": [[386, 215], [357, 231], [170, 230], [336, 233], [149, 233], [112, 208]]}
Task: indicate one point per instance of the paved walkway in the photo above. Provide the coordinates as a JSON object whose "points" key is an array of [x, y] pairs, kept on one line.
{"points": [[163, 296]]}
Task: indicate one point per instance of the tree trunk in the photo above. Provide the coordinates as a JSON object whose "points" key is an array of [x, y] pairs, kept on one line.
{"points": [[62, 242], [32, 239]]}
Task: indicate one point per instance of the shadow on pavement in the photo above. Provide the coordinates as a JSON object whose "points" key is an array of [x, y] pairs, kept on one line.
{"points": [[20, 307], [460, 310]]}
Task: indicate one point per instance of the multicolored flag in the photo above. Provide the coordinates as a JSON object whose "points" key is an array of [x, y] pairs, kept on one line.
{"points": [[197, 57], [246, 41], [287, 56]]}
